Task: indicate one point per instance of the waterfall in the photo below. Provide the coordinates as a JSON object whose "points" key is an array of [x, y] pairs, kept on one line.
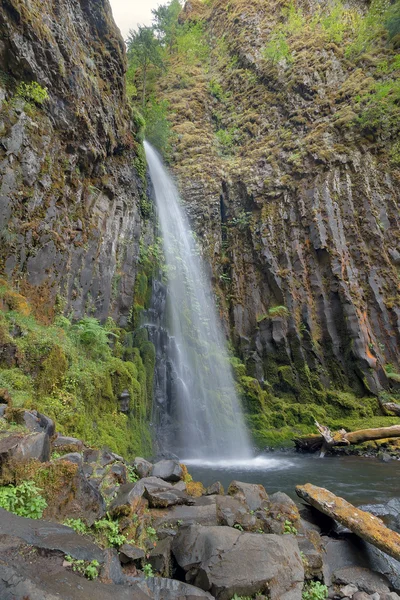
{"points": [[202, 409]]}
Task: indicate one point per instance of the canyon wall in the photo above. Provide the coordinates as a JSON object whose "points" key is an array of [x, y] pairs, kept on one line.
{"points": [[290, 172], [70, 217]]}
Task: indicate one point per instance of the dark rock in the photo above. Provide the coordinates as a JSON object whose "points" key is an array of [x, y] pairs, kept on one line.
{"points": [[231, 511], [252, 494], [111, 570], [214, 489], [76, 498], [73, 457], [225, 562], [124, 401], [67, 444], [362, 578], [24, 447], [142, 467], [160, 557], [162, 494], [171, 589], [130, 553], [203, 512], [169, 470], [47, 424], [49, 536], [128, 500]]}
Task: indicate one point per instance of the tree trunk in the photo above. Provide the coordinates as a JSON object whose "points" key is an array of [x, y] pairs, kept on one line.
{"points": [[327, 440], [366, 526]]}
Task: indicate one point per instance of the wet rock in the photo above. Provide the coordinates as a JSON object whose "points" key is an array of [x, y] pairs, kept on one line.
{"points": [[225, 562], [169, 470], [252, 494], [142, 467], [215, 489]]}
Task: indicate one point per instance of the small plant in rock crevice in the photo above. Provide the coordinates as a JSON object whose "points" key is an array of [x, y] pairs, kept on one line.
{"points": [[148, 571], [90, 570], [314, 590], [289, 528]]}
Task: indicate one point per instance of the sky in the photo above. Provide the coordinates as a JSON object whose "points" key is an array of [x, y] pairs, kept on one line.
{"points": [[129, 13]]}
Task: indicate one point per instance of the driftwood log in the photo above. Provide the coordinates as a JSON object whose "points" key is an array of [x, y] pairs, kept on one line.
{"points": [[327, 439], [392, 408], [366, 526]]}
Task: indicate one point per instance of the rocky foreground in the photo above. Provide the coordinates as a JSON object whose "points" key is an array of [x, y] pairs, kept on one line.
{"points": [[144, 530]]}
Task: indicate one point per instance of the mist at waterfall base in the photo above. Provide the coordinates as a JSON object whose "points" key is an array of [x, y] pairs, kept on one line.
{"points": [[197, 408]]}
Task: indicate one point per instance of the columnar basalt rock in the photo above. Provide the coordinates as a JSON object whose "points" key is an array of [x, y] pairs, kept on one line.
{"points": [[298, 211], [69, 214]]}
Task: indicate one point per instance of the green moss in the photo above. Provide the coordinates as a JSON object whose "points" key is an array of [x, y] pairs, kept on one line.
{"points": [[71, 373]]}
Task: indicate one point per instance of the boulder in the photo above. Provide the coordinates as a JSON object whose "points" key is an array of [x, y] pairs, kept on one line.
{"points": [[73, 496], [215, 489], [73, 457], [130, 553], [203, 511], [362, 579], [67, 444], [252, 494], [162, 494], [128, 501], [20, 447], [38, 423], [171, 589], [160, 557], [169, 470], [142, 467], [231, 512], [226, 562]]}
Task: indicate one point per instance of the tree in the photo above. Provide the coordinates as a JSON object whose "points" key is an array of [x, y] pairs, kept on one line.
{"points": [[144, 51], [166, 22]]}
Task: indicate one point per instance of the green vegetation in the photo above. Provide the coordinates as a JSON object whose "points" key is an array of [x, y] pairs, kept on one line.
{"points": [[108, 531], [32, 92], [23, 500], [90, 570], [314, 590], [148, 570], [77, 525], [289, 528], [75, 373]]}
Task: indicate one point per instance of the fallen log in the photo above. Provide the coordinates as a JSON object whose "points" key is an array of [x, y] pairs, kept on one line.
{"points": [[327, 439], [366, 526], [392, 407]]}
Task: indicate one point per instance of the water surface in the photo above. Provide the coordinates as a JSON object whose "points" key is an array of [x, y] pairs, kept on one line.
{"points": [[357, 479]]}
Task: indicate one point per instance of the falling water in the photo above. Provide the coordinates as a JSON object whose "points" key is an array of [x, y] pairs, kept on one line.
{"points": [[205, 408]]}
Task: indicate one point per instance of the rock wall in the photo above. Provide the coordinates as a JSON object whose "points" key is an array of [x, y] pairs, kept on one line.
{"points": [[70, 194], [293, 189]]}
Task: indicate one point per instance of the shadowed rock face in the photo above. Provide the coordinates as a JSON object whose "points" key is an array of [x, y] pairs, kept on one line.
{"points": [[69, 217], [302, 213]]}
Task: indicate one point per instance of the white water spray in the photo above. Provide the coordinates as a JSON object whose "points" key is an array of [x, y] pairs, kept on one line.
{"points": [[206, 409]]}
